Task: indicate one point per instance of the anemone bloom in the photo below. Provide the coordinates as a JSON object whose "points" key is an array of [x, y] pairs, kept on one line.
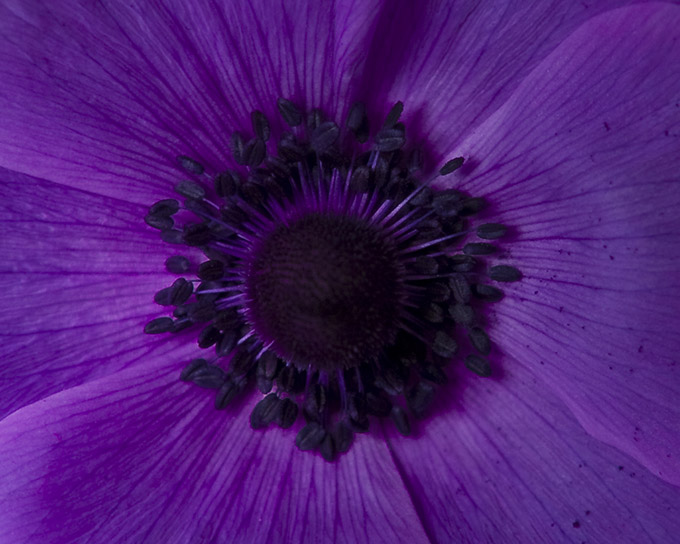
{"points": [[568, 117]]}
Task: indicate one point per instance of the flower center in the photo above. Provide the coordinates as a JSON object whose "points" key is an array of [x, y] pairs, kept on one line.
{"points": [[322, 291], [336, 281]]}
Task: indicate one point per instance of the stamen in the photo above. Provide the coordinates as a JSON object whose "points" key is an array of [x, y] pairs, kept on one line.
{"points": [[504, 273]]}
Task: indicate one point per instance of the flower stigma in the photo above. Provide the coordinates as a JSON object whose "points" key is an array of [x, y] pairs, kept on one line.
{"points": [[334, 279]]}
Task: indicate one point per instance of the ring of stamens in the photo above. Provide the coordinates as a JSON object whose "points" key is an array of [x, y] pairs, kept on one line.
{"points": [[336, 282]]}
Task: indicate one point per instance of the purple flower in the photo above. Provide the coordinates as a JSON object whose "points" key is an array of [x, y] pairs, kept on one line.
{"points": [[568, 116]]}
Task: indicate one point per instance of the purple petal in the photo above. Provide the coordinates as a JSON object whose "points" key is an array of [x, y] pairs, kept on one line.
{"points": [[583, 162], [76, 293], [454, 64], [141, 457], [105, 97], [507, 462]]}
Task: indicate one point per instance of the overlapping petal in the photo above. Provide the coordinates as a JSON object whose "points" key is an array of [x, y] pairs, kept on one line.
{"points": [[77, 288], [140, 457], [582, 161]]}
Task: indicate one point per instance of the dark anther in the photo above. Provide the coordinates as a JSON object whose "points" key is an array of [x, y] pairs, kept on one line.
{"points": [[360, 180], [199, 207], [269, 364], [264, 385], [180, 291], [227, 392], [160, 222], [260, 125], [419, 399], [479, 340], [487, 292], [327, 448], [433, 313], [389, 139], [172, 237], [400, 420], [377, 404], [287, 414], [460, 288], [197, 234], [478, 365], [226, 184], [238, 148], [190, 189], [181, 324], [393, 115], [462, 263], [201, 312], [357, 121], [462, 313], [190, 165], [290, 112], [504, 273], [479, 248], [446, 203], [444, 345], [472, 206], [324, 136], [343, 436], [254, 152], [491, 231], [434, 374], [211, 270], [227, 343], [163, 297], [208, 376], [166, 207], [265, 412], [439, 292], [208, 337], [159, 325], [310, 436], [177, 264], [356, 115], [192, 367], [451, 166]]}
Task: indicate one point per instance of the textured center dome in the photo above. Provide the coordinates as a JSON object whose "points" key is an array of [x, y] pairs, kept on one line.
{"points": [[323, 290]]}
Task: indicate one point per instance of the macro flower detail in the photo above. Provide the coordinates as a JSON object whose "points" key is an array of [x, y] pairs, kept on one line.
{"points": [[333, 276], [567, 115]]}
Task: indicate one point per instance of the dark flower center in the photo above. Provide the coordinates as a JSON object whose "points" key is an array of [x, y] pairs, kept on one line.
{"points": [[335, 281], [322, 290]]}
